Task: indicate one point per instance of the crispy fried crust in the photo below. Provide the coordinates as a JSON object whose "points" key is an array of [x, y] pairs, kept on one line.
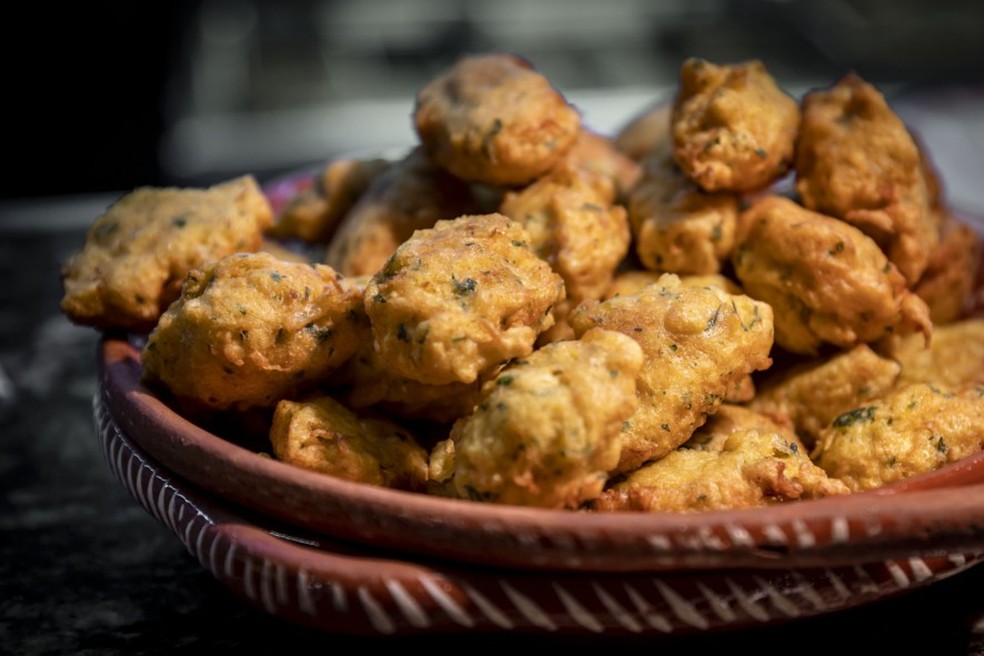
{"points": [[250, 330], [137, 253], [857, 161], [494, 119], [733, 128]]}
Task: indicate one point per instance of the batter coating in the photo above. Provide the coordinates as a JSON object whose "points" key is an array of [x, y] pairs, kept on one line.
{"points": [[676, 226], [323, 435], [826, 280], [857, 161], [596, 154], [493, 119], [813, 393], [914, 429], [546, 434], [574, 226], [137, 253], [700, 344], [738, 459], [460, 299], [313, 214], [948, 281], [955, 357], [733, 128], [647, 132], [412, 194], [370, 382], [250, 330]]}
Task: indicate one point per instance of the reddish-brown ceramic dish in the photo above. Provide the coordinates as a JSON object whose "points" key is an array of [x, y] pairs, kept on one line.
{"points": [[353, 558]]}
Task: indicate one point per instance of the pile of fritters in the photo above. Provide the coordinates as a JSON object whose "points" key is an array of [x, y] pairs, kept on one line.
{"points": [[740, 299]]}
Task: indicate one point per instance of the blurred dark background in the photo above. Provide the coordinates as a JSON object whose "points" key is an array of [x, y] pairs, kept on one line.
{"points": [[105, 96]]}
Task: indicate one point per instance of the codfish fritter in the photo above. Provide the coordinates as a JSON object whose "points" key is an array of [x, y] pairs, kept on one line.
{"points": [[677, 227], [826, 281], [137, 253], [733, 127], [857, 161], [494, 119], [914, 429], [461, 298], [738, 459], [700, 343], [322, 435], [954, 358], [811, 394], [313, 214], [546, 434], [250, 330], [411, 194]]}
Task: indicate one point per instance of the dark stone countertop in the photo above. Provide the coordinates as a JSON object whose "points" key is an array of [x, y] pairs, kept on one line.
{"points": [[85, 570]]}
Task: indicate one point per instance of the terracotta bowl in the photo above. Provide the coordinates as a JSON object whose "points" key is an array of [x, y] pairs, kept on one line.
{"points": [[358, 559]]}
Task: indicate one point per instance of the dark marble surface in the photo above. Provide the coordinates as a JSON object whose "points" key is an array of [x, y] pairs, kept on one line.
{"points": [[84, 570]]}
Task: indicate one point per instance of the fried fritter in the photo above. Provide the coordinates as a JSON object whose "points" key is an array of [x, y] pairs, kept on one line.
{"points": [[370, 382], [322, 435], [826, 281], [313, 214], [250, 330], [647, 132], [136, 254], [948, 281], [738, 459], [494, 119], [857, 161], [733, 127], [574, 226], [700, 343], [461, 298], [596, 154], [914, 429], [676, 226], [412, 194], [546, 434], [811, 394], [954, 358]]}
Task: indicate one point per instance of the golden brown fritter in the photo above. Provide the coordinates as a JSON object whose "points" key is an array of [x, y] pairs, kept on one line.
{"points": [[546, 434], [738, 459], [596, 154], [365, 381], [676, 226], [857, 161], [826, 281], [412, 194], [313, 214], [733, 128], [322, 435], [369, 382], [700, 343], [948, 281], [494, 119], [250, 330], [811, 394], [914, 429], [136, 254], [574, 226], [954, 358], [461, 298], [647, 132]]}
